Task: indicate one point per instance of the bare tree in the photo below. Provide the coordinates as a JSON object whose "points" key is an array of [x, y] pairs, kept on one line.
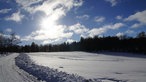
{"points": [[141, 35], [8, 42], [13, 40]]}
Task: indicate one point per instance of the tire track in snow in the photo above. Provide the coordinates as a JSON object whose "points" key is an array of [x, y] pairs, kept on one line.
{"points": [[9, 72]]}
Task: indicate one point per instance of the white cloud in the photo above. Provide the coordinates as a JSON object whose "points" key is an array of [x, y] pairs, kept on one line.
{"points": [[85, 17], [115, 26], [27, 3], [139, 17], [70, 41], [49, 30], [129, 32], [120, 34], [99, 19], [136, 25], [48, 6], [113, 2], [17, 17], [8, 30], [51, 41], [17, 36], [3, 11], [97, 31], [119, 17], [45, 34], [8, 36], [78, 28]]}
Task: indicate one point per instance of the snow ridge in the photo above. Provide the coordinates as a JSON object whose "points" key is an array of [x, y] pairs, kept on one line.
{"points": [[45, 73]]}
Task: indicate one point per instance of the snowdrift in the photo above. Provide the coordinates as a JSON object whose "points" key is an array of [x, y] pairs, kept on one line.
{"points": [[45, 73]]}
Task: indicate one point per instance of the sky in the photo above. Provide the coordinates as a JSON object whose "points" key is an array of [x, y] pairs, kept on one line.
{"points": [[57, 21]]}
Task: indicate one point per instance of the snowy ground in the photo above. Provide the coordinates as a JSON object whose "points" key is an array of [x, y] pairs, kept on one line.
{"points": [[90, 65], [9, 72]]}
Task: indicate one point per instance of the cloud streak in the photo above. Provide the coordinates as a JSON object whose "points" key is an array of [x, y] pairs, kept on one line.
{"points": [[99, 19], [17, 17], [113, 2], [48, 6], [85, 17], [4, 11], [97, 31], [119, 17], [9, 30], [139, 17], [78, 28]]}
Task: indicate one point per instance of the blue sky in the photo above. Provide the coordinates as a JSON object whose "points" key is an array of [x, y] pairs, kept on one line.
{"points": [[57, 21]]}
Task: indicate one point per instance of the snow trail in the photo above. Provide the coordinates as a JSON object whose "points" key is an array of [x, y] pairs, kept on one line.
{"points": [[9, 72]]}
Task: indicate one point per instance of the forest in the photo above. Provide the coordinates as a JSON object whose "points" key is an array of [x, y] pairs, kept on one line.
{"points": [[122, 43]]}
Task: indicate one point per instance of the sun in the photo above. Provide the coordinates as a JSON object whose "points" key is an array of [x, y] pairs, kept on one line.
{"points": [[49, 28], [47, 24]]}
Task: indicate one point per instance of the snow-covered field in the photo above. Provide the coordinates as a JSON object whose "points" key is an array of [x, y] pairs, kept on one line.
{"points": [[106, 66], [47, 74]]}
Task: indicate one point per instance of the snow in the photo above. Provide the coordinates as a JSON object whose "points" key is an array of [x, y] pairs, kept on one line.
{"points": [[104, 66], [9, 72], [47, 74]]}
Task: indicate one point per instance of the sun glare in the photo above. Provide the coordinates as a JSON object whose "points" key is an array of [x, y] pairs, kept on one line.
{"points": [[47, 24], [49, 28]]}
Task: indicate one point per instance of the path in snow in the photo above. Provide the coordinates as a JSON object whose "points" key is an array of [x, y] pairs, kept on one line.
{"points": [[9, 72]]}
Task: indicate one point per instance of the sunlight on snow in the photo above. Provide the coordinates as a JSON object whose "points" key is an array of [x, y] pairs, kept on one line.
{"points": [[91, 65]]}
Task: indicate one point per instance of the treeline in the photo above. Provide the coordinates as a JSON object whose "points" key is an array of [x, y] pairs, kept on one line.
{"points": [[9, 43], [110, 43]]}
